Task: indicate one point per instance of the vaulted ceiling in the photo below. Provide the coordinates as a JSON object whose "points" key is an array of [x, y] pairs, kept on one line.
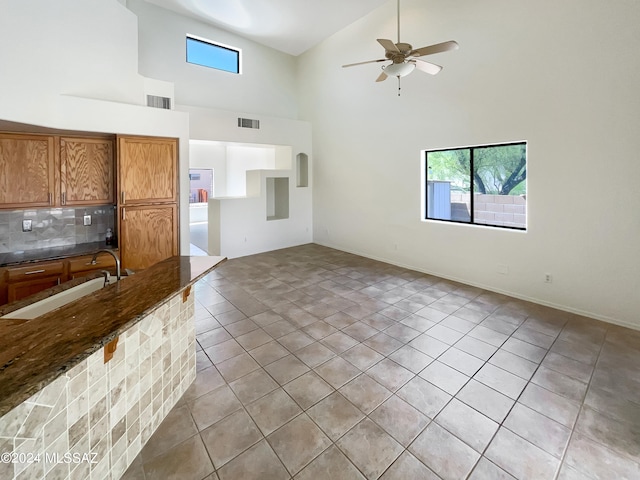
{"points": [[291, 26]]}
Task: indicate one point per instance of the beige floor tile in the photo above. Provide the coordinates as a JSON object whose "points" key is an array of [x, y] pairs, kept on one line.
{"points": [[383, 344], [340, 320], [512, 363], [206, 380], [525, 350], [489, 336], [174, 429], [399, 419], [268, 353], [444, 377], [257, 463], [621, 436], [229, 437], [520, 458], [241, 327], [469, 425], [335, 415], [286, 369], [237, 367], [330, 465], [417, 323], [279, 328], [253, 386], [411, 359], [461, 361], [223, 351], [362, 356], [389, 374], [486, 470], [596, 461], [424, 396], [486, 400], [567, 366], [295, 341], [186, 461], [339, 342], [265, 318], [213, 337], [359, 331], [552, 405], [365, 393], [298, 442], [501, 380], [534, 427], [370, 448], [402, 333], [308, 389], [561, 384], [475, 347], [408, 467], [429, 345], [254, 339], [446, 455], [337, 372], [314, 354], [273, 410], [319, 330], [444, 334], [213, 406]]}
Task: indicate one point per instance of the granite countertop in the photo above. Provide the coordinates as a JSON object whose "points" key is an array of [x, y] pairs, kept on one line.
{"points": [[35, 352], [52, 253]]}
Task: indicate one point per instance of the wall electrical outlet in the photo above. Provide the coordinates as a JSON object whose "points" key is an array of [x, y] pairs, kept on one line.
{"points": [[87, 220], [548, 278], [27, 225]]}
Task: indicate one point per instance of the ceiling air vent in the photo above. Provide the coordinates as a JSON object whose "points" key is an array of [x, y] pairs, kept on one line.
{"points": [[248, 123], [158, 102]]}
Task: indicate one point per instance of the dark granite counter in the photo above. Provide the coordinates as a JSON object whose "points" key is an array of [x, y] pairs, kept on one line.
{"points": [[53, 253], [33, 353]]}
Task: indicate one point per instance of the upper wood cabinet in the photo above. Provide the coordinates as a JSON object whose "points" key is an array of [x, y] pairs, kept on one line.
{"points": [[27, 166], [147, 170], [86, 171]]}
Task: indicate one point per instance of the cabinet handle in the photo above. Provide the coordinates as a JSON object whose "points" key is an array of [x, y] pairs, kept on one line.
{"points": [[50, 197], [122, 196], [34, 271], [124, 215], [58, 280], [64, 198]]}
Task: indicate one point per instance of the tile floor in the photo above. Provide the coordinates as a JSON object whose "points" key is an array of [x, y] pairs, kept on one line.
{"points": [[318, 364]]}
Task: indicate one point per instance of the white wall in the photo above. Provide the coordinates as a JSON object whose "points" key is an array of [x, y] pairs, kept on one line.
{"points": [[73, 64], [266, 85], [561, 75], [204, 154], [242, 158]]}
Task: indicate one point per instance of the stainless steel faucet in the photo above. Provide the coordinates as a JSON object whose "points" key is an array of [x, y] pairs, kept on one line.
{"points": [[113, 254]]}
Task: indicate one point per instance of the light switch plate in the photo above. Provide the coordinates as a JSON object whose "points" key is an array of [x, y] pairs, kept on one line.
{"points": [[87, 220], [27, 225]]}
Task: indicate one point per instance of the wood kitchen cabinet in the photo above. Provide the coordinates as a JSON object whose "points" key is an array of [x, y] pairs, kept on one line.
{"points": [[147, 170], [27, 166], [148, 234], [86, 171], [147, 200], [33, 278]]}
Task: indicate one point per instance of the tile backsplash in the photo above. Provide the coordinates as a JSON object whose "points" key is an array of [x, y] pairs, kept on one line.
{"points": [[54, 227]]}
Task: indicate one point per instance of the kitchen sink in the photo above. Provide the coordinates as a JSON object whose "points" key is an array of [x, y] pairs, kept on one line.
{"points": [[59, 300]]}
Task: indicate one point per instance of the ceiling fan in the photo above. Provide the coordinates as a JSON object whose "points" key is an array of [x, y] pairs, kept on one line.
{"points": [[404, 58]]}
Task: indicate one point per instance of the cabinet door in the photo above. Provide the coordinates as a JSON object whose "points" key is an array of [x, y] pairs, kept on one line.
{"points": [[26, 170], [148, 234], [33, 278], [86, 171], [147, 170]]}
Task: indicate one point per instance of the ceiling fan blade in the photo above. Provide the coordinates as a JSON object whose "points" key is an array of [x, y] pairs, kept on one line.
{"points": [[362, 63], [388, 45], [383, 76], [430, 68], [437, 48]]}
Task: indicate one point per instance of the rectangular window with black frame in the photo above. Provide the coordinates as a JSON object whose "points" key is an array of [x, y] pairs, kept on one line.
{"points": [[482, 185]]}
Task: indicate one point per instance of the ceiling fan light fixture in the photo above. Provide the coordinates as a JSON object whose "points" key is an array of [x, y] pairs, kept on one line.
{"points": [[399, 69]]}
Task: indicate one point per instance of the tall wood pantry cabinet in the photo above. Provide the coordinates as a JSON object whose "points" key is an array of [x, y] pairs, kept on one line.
{"points": [[147, 200]]}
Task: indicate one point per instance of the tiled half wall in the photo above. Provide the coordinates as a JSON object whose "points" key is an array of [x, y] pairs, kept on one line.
{"points": [[91, 422]]}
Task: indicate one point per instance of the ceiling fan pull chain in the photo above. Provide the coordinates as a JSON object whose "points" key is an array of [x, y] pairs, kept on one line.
{"points": [[398, 86]]}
